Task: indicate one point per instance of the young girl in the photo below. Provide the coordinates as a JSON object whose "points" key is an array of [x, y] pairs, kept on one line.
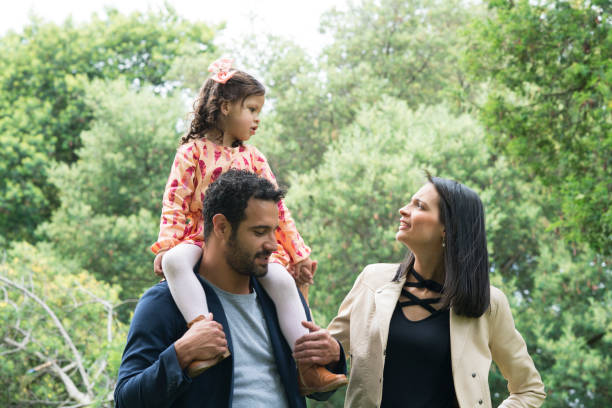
{"points": [[226, 115]]}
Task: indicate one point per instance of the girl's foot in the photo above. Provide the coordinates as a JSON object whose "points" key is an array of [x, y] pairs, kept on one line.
{"points": [[316, 378], [199, 366]]}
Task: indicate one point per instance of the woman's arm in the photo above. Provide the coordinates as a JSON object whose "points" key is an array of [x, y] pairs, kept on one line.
{"points": [[340, 326], [509, 352]]}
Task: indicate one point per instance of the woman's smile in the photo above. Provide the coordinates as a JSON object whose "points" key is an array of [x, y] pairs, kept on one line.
{"points": [[404, 224]]}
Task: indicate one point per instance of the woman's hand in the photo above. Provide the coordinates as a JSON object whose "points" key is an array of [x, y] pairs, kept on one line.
{"points": [[157, 264]]}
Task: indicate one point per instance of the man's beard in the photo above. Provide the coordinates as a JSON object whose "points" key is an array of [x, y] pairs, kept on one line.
{"points": [[241, 261]]}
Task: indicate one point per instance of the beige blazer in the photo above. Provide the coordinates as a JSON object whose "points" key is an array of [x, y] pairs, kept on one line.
{"points": [[362, 326]]}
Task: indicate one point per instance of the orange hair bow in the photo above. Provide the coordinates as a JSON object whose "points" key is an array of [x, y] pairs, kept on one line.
{"points": [[222, 70]]}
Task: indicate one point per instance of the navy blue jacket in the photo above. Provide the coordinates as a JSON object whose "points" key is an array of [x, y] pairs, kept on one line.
{"points": [[150, 376]]}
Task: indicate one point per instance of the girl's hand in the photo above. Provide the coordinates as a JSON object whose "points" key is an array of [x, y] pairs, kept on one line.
{"points": [[304, 271], [157, 264]]}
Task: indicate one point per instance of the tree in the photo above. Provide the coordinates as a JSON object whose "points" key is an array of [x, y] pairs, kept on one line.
{"points": [[405, 49], [297, 129], [565, 319], [61, 342], [347, 207], [550, 64], [111, 196], [43, 74]]}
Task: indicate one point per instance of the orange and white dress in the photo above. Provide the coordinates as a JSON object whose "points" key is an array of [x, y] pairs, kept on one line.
{"points": [[196, 165]]}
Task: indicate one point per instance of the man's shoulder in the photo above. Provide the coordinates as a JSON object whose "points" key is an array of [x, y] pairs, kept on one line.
{"points": [[157, 296], [156, 314], [158, 291]]}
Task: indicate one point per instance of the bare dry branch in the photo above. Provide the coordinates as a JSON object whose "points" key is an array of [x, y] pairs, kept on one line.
{"points": [[58, 324], [109, 309], [71, 387]]}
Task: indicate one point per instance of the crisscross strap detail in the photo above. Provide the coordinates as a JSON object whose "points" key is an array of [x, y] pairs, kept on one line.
{"points": [[423, 283], [424, 303], [417, 301]]}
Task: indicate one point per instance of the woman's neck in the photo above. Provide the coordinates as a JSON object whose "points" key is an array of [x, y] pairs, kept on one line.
{"points": [[430, 266]]}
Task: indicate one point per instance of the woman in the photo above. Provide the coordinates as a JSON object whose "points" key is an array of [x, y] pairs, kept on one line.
{"points": [[423, 334]]}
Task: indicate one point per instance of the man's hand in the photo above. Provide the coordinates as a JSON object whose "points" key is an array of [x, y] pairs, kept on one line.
{"points": [[317, 347], [304, 272], [203, 341], [157, 264]]}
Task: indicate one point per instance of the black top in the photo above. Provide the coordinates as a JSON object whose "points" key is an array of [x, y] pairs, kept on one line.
{"points": [[418, 369]]}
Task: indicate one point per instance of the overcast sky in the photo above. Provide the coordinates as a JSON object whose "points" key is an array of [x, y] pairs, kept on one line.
{"points": [[295, 19]]}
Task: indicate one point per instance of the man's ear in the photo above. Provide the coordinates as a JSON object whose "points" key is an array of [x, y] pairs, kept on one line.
{"points": [[221, 226]]}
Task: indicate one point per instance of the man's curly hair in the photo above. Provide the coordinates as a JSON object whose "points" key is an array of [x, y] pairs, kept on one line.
{"points": [[230, 193], [207, 106]]}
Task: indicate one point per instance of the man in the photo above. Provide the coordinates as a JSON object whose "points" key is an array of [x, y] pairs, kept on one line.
{"points": [[240, 216]]}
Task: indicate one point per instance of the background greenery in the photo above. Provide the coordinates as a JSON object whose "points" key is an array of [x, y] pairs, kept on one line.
{"points": [[512, 98]]}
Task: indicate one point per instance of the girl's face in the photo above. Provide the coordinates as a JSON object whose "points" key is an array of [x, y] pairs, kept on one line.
{"points": [[242, 118], [420, 224]]}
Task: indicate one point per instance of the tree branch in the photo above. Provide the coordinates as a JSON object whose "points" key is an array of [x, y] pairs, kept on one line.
{"points": [[109, 309], [17, 346], [71, 387], [58, 324]]}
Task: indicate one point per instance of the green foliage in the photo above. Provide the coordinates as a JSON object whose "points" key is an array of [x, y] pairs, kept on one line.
{"points": [[565, 319], [347, 207], [60, 339], [43, 74], [111, 196], [550, 63], [405, 49], [301, 123]]}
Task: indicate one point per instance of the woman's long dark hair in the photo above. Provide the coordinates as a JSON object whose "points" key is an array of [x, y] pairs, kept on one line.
{"points": [[207, 107], [466, 261]]}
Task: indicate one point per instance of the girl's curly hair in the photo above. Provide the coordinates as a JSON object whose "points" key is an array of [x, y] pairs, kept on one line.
{"points": [[207, 106]]}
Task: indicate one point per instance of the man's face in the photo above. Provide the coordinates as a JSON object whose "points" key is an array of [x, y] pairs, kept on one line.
{"points": [[251, 244]]}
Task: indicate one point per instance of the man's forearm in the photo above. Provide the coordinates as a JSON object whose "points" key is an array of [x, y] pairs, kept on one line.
{"points": [[150, 385], [184, 352]]}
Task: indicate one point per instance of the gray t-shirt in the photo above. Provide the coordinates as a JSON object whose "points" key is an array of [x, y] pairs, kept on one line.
{"points": [[256, 379]]}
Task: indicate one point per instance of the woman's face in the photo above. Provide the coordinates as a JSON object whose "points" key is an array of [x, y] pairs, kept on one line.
{"points": [[420, 224]]}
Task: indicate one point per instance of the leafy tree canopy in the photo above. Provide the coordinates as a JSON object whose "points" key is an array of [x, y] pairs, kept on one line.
{"points": [[111, 196], [347, 208], [550, 63], [43, 74], [405, 49]]}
